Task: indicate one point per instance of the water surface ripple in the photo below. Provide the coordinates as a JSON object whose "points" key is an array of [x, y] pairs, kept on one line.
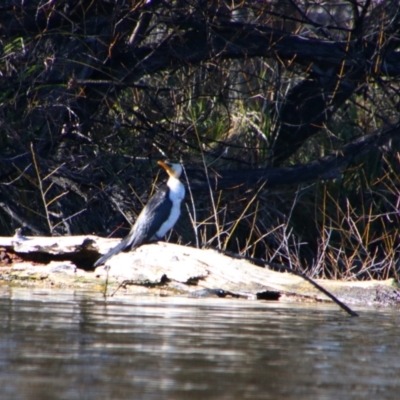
{"points": [[66, 345]]}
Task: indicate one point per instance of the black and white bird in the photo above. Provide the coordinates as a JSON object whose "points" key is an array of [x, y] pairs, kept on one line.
{"points": [[157, 217]]}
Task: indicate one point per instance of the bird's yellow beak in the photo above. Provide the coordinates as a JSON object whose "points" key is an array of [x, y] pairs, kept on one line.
{"points": [[166, 167]]}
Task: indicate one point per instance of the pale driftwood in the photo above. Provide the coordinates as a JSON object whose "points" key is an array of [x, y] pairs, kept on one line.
{"points": [[170, 268], [55, 245]]}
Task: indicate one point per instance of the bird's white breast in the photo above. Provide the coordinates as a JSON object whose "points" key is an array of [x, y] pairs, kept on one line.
{"points": [[176, 195]]}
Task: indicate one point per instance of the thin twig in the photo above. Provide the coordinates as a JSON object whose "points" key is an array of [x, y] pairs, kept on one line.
{"points": [[193, 218], [236, 223], [40, 184], [263, 263], [217, 227], [107, 268]]}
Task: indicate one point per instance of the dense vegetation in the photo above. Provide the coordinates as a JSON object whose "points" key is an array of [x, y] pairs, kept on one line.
{"points": [[284, 113]]}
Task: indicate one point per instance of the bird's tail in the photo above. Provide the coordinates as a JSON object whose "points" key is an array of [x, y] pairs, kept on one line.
{"points": [[115, 250]]}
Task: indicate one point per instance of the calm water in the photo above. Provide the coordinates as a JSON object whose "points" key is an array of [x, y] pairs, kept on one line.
{"points": [[61, 345]]}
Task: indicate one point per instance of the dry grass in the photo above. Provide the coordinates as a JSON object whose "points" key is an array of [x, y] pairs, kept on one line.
{"points": [[324, 230]]}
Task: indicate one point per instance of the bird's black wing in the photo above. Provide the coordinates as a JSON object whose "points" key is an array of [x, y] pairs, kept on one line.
{"points": [[146, 226], [151, 218]]}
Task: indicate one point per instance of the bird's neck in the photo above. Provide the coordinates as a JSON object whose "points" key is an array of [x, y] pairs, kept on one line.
{"points": [[176, 187]]}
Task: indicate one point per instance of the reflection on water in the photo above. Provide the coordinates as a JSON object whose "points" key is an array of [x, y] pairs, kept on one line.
{"points": [[58, 345]]}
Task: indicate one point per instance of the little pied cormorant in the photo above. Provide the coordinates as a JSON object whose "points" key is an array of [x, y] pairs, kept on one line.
{"points": [[157, 217]]}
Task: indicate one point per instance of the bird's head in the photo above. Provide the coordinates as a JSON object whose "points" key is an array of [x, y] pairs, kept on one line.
{"points": [[173, 169]]}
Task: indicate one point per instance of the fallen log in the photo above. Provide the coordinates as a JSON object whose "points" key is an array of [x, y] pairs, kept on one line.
{"points": [[167, 269]]}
